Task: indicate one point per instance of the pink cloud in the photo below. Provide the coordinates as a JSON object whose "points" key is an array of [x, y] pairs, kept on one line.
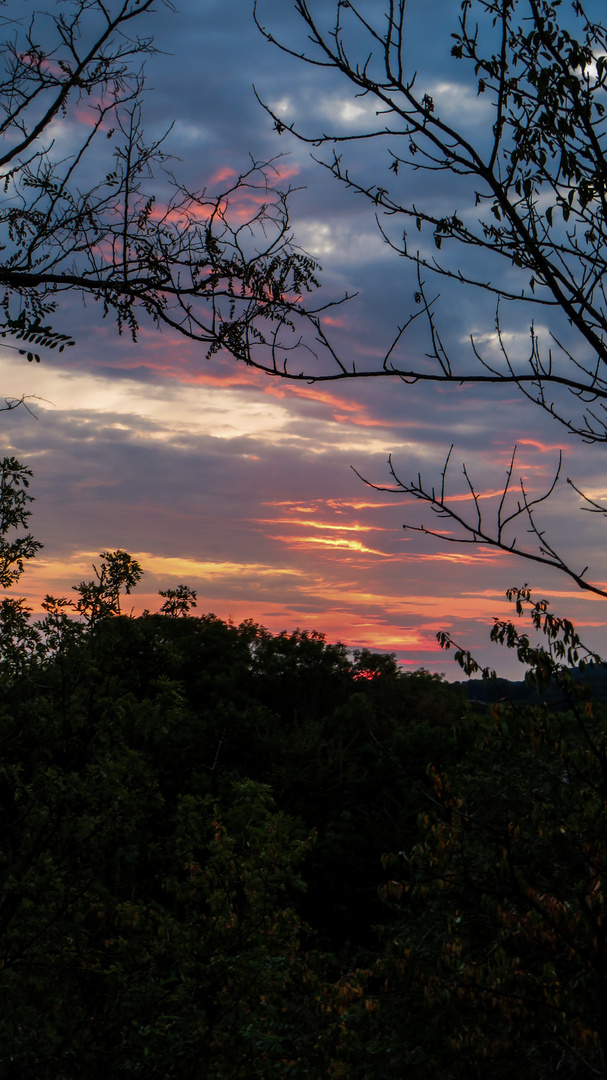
{"points": [[222, 174]]}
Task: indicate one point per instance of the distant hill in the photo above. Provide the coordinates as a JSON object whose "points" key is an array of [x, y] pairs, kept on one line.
{"points": [[520, 693]]}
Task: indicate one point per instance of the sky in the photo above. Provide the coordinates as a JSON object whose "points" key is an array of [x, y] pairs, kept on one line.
{"points": [[242, 486]]}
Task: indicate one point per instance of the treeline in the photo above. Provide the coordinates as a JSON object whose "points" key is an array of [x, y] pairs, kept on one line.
{"points": [[521, 692], [228, 853]]}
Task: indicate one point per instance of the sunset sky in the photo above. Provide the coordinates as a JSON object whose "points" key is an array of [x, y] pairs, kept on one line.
{"points": [[242, 486]]}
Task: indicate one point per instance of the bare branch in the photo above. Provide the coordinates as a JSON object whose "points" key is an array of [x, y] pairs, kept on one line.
{"points": [[472, 530], [547, 149]]}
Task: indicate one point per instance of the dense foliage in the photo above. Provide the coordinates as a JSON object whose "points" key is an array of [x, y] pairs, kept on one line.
{"points": [[193, 818], [230, 853]]}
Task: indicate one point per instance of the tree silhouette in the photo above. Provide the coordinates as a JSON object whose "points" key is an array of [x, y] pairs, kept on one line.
{"points": [[174, 259], [532, 175], [14, 514]]}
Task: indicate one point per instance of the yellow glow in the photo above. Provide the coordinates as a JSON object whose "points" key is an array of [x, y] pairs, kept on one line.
{"points": [[347, 545], [176, 567], [80, 567], [357, 504], [480, 555], [467, 495], [309, 524]]}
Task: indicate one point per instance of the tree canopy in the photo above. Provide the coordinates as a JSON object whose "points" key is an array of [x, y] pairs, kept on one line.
{"points": [[261, 855]]}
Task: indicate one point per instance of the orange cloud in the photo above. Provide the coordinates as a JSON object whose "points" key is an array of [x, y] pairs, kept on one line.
{"points": [[297, 507], [342, 543], [345, 411], [337, 505], [309, 524], [481, 555], [356, 504], [544, 448], [354, 410], [466, 496], [239, 377]]}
